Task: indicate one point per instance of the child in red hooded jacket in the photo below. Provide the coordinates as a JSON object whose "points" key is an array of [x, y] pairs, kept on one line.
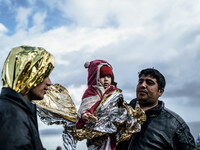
{"points": [[100, 83], [105, 100]]}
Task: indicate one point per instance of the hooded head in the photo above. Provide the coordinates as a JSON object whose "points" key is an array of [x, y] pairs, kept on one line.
{"points": [[26, 67], [96, 69]]}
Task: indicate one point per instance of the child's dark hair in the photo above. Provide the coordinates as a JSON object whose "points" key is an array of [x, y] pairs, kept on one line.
{"points": [[155, 74]]}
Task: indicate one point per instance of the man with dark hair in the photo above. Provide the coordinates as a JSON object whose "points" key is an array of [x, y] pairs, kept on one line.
{"points": [[25, 77], [163, 129]]}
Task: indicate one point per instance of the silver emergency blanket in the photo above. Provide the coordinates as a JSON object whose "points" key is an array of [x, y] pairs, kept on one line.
{"points": [[109, 114], [50, 118], [114, 116], [68, 140]]}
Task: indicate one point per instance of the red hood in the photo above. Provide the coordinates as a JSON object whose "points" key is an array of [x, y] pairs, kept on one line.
{"points": [[93, 76], [94, 71]]}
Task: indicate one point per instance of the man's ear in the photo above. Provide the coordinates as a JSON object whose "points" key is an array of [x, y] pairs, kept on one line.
{"points": [[161, 91]]}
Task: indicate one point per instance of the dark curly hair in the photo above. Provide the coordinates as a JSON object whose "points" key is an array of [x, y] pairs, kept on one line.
{"points": [[155, 74]]}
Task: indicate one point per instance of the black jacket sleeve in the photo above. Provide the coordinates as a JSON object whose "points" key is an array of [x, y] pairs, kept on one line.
{"points": [[183, 139]]}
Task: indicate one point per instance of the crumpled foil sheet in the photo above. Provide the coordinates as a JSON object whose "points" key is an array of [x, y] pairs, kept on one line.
{"points": [[26, 67], [68, 140], [57, 107], [114, 116]]}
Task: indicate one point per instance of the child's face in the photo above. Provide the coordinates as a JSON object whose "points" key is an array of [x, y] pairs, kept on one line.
{"points": [[105, 81]]}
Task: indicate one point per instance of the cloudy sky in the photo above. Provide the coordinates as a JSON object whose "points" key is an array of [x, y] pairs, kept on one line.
{"points": [[129, 34]]}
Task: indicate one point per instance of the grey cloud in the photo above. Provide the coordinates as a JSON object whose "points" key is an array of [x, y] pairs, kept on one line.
{"points": [[73, 73], [189, 91]]}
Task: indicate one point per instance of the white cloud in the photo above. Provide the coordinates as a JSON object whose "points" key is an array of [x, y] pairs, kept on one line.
{"points": [[3, 29], [129, 13], [38, 23], [87, 13], [76, 93], [22, 18], [67, 39]]}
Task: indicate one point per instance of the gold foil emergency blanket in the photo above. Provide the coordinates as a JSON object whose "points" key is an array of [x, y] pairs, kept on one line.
{"points": [[58, 102], [26, 67], [57, 107]]}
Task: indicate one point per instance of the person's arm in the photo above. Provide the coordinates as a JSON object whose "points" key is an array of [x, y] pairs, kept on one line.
{"points": [[83, 120], [183, 138]]}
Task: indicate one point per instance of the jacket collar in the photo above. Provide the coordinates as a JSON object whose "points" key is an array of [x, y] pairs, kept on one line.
{"points": [[154, 111], [18, 99]]}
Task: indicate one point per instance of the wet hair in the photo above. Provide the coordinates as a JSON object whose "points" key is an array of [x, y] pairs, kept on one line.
{"points": [[155, 74]]}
